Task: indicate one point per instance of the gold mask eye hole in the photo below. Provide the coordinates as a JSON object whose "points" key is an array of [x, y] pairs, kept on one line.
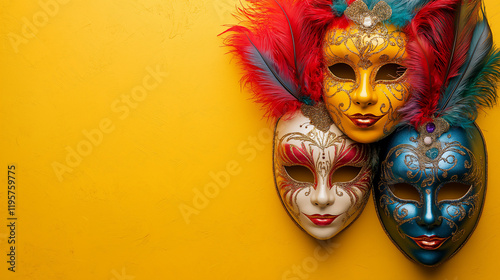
{"points": [[390, 72], [343, 71], [405, 191], [345, 174], [300, 173], [453, 191]]}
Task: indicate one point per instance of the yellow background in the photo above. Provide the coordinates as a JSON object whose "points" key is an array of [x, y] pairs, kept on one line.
{"points": [[115, 212]]}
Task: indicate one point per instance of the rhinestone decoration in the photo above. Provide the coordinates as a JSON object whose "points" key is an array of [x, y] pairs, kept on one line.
{"points": [[430, 127]]}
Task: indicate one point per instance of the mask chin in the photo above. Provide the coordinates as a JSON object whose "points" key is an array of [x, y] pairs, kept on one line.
{"points": [[431, 188], [323, 177]]}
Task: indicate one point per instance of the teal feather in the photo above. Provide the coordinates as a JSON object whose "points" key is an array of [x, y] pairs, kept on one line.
{"points": [[481, 93], [460, 101], [339, 7], [403, 11]]}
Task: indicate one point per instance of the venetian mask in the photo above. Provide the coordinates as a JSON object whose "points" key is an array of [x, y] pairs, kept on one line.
{"points": [[366, 80], [431, 189], [322, 176]]}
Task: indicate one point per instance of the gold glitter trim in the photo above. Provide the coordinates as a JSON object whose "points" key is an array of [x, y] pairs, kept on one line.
{"points": [[318, 115], [359, 13]]}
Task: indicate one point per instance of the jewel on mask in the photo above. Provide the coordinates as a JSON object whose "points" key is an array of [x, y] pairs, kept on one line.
{"points": [[432, 153], [368, 22], [430, 127], [429, 133]]}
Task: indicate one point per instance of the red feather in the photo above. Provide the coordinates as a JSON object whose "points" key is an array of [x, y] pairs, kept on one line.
{"points": [[273, 29], [439, 39], [318, 19]]}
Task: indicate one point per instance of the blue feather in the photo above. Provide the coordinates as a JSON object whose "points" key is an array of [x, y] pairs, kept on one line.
{"points": [[267, 68]]}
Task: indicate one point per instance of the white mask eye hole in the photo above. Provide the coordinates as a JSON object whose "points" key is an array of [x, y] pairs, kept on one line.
{"points": [[300, 173], [390, 72], [453, 191], [405, 191], [345, 174], [343, 71]]}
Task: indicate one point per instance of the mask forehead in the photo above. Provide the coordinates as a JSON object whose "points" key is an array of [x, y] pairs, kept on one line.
{"points": [[365, 49], [450, 158], [298, 142], [365, 81], [427, 229]]}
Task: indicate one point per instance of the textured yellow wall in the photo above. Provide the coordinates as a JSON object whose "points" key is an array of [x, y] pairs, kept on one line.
{"points": [[118, 113]]}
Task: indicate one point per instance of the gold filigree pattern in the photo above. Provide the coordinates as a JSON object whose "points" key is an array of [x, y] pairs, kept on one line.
{"points": [[359, 13], [318, 115], [429, 162], [333, 149], [366, 52], [365, 44]]}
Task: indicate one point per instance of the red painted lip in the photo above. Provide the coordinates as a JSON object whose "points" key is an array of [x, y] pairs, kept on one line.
{"points": [[322, 220], [429, 242], [364, 121]]}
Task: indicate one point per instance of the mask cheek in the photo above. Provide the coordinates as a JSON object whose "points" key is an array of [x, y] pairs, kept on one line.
{"points": [[290, 191], [300, 200], [399, 216], [338, 98], [459, 218], [344, 204], [353, 196], [393, 95]]}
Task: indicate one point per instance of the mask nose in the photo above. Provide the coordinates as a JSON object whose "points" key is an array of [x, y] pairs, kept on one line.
{"points": [[429, 217], [321, 196], [364, 95]]}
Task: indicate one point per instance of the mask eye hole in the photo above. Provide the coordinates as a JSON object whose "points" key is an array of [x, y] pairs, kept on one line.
{"points": [[345, 174], [343, 71], [405, 191], [390, 72], [453, 191], [300, 173]]}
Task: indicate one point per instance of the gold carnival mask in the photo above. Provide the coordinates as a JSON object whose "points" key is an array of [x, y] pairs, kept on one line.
{"points": [[366, 79]]}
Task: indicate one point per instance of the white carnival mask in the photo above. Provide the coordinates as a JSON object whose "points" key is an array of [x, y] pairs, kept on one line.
{"points": [[322, 176]]}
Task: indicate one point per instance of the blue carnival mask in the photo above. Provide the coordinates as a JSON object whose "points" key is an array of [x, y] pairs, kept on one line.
{"points": [[431, 189]]}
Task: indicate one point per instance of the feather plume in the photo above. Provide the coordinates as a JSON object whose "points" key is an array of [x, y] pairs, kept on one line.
{"points": [[276, 61], [460, 102], [402, 10], [431, 36], [476, 85], [453, 70]]}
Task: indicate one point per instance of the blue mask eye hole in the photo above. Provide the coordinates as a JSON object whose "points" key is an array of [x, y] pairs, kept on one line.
{"points": [[344, 174], [453, 191], [405, 191], [300, 173]]}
